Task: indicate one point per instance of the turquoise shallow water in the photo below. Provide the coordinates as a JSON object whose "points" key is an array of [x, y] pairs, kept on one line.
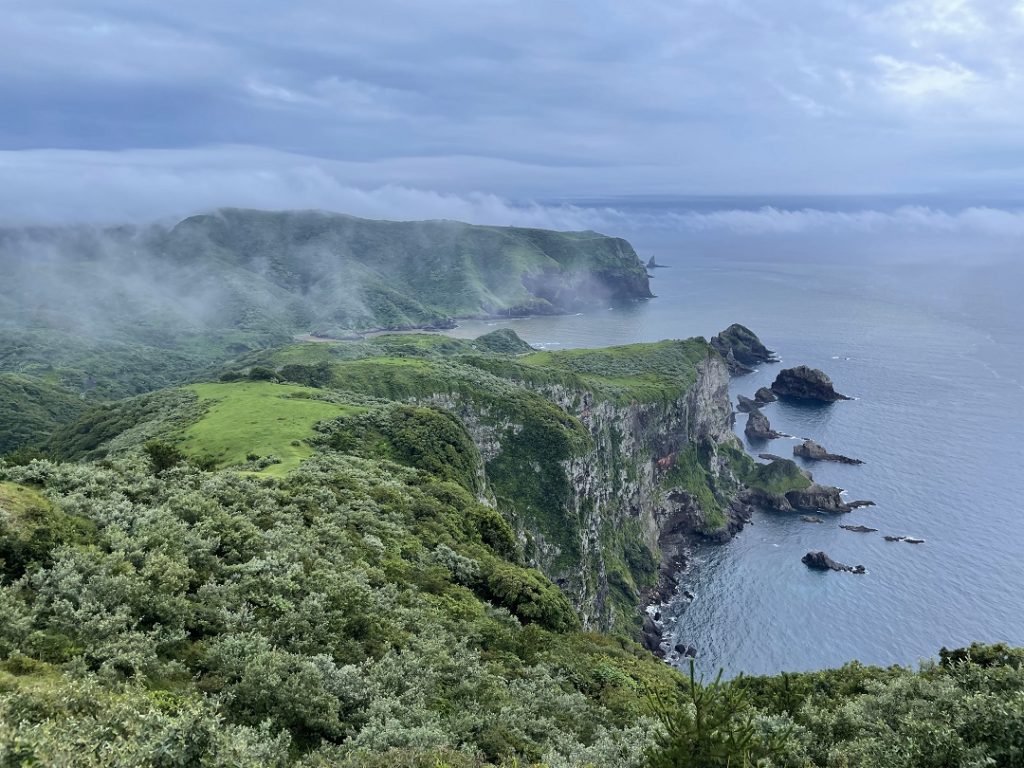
{"points": [[933, 354]]}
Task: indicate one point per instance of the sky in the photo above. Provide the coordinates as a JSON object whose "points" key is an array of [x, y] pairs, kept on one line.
{"points": [[127, 109]]}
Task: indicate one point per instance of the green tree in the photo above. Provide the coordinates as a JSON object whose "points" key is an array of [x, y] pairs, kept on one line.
{"points": [[710, 726], [163, 455]]}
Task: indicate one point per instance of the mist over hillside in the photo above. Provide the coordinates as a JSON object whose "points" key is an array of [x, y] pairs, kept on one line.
{"points": [[90, 306]]}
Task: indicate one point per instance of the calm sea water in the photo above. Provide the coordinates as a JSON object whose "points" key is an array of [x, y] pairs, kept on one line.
{"points": [[931, 343]]}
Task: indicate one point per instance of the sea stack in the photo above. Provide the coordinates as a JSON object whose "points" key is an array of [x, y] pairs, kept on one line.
{"points": [[759, 428], [741, 349], [807, 384]]}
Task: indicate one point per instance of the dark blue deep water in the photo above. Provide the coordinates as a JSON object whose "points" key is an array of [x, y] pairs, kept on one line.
{"points": [[928, 335]]}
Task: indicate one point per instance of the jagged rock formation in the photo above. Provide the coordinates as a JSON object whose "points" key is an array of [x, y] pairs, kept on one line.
{"points": [[859, 528], [764, 396], [741, 349], [815, 452], [759, 428], [804, 383], [819, 561]]}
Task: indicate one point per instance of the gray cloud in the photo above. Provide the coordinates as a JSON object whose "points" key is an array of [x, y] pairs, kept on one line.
{"points": [[242, 103]]}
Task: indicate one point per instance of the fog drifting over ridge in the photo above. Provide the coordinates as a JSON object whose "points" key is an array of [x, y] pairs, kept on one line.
{"points": [[56, 187]]}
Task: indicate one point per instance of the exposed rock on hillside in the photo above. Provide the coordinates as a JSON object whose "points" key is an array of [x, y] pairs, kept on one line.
{"points": [[804, 383], [816, 452]]}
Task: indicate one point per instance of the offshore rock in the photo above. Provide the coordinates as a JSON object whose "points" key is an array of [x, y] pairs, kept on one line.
{"points": [[765, 396], [859, 528], [746, 405], [811, 519], [759, 428], [823, 498], [816, 452], [741, 349], [808, 384], [819, 561]]}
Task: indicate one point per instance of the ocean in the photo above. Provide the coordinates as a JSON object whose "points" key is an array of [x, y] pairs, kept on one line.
{"points": [[915, 311]]}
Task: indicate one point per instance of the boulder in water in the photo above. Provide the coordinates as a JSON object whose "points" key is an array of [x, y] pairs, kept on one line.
{"points": [[765, 396], [759, 428], [816, 452], [819, 561], [807, 384]]}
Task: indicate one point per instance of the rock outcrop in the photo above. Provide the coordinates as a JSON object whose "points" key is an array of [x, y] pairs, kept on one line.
{"points": [[859, 528], [907, 539], [819, 561], [765, 396], [759, 428], [807, 384], [816, 452], [746, 405], [741, 349], [822, 498]]}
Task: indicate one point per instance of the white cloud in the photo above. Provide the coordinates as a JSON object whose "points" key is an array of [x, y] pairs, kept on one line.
{"points": [[920, 20], [922, 82]]}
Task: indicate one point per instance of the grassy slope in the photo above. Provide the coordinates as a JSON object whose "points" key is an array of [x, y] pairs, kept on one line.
{"points": [[259, 418], [17, 499], [655, 372]]}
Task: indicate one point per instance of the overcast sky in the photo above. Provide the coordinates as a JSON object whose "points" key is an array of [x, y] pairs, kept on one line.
{"points": [[127, 108]]}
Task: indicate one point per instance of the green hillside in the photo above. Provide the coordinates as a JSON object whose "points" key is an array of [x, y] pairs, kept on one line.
{"points": [[31, 409], [120, 311]]}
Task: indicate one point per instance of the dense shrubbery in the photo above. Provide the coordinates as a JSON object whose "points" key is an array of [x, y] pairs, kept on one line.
{"points": [[339, 612]]}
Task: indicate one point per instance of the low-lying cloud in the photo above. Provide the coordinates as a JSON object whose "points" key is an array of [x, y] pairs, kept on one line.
{"points": [[57, 187]]}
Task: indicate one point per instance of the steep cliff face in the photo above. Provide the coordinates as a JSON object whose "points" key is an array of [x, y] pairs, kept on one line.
{"points": [[656, 476], [607, 462], [606, 501]]}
